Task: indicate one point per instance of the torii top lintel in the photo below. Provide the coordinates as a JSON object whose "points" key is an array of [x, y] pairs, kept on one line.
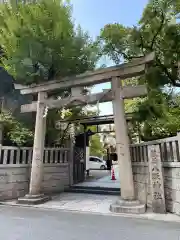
{"points": [[127, 70]]}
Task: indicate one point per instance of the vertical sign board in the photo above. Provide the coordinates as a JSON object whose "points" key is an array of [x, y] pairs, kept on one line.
{"points": [[156, 179]]}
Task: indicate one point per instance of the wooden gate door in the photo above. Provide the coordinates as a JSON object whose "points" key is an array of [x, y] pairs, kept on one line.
{"points": [[78, 165]]}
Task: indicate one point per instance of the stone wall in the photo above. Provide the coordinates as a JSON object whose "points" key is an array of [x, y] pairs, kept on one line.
{"points": [[142, 183], [15, 166], [56, 178], [170, 158], [14, 181], [172, 186]]}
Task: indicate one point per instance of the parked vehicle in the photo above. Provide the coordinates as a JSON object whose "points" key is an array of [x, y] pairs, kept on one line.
{"points": [[97, 163]]}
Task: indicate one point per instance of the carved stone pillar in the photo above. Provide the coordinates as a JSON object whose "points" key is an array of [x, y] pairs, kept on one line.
{"points": [[156, 179], [35, 195]]}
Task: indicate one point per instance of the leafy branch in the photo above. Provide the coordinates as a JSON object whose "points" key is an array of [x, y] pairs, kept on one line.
{"points": [[17, 132]]}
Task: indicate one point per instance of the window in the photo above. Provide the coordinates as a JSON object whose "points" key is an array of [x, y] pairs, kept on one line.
{"points": [[99, 160], [93, 159]]}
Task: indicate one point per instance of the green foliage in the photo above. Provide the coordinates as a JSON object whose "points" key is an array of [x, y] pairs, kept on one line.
{"points": [[40, 42], [96, 145], [16, 131], [156, 31], [156, 117], [115, 41]]}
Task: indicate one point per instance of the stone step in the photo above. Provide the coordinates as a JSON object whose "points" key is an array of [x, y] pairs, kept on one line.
{"points": [[94, 190], [96, 187], [123, 206]]}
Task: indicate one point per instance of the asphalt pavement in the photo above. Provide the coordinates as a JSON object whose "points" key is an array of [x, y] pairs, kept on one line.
{"points": [[17, 223]]}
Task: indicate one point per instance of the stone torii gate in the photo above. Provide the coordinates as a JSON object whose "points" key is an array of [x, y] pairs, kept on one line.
{"points": [[117, 94]]}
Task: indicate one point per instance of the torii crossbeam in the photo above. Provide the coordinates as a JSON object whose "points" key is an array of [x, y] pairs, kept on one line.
{"points": [[127, 70]]}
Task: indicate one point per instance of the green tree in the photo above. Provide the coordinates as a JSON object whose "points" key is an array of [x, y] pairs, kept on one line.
{"points": [[14, 130], [40, 42], [96, 146], [151, 122], [158, 30]]}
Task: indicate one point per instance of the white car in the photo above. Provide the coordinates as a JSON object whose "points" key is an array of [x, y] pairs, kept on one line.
{"points": [[96, 163]]}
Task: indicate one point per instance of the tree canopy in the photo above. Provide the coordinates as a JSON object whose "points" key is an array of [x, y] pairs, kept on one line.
{"points": [[158, 30], [40, 42], [96, 146]]}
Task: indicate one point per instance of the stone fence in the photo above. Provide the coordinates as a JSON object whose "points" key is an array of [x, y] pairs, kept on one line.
{"points": [[170, 169], [15, 166], [151, 186]]}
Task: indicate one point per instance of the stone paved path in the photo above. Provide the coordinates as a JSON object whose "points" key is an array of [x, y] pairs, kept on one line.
{"points": [[76, 202], [104, 181], [81, 202]]}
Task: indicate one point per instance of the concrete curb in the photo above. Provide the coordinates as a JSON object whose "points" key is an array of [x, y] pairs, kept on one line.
{"points": [[146, 216]]}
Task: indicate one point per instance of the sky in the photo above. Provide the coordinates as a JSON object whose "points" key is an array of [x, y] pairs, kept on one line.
{"points": [[92, 15]]}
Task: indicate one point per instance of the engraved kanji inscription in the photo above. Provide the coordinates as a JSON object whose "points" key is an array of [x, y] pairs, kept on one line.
{"points": [[156, 178], [157, 196]]}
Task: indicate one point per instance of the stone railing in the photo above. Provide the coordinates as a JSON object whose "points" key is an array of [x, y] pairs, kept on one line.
{"points": [[23, 155], [169, 148], [15, 169]]}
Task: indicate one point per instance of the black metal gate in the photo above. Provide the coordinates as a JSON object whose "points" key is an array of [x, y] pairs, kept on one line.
{"points": [[78, 165]]}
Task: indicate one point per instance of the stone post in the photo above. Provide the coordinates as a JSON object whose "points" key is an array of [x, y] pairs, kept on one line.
{"points": [[2, 103], [35, 195], [178, 138], [85, 153], [127, 202], [87, 160], [1, 134], [71, 162], [122, 143], [156, 179]]}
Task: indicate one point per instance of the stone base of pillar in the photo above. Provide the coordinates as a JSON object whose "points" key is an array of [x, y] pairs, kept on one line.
{"points": [[33, 199], [125, 206]]}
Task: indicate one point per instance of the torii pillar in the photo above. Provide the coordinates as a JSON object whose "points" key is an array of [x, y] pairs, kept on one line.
{"points": [[35, 195], [127, 202]]}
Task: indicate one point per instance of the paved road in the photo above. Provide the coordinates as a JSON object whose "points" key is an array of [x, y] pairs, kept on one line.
{"points": [[34, 224]]}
